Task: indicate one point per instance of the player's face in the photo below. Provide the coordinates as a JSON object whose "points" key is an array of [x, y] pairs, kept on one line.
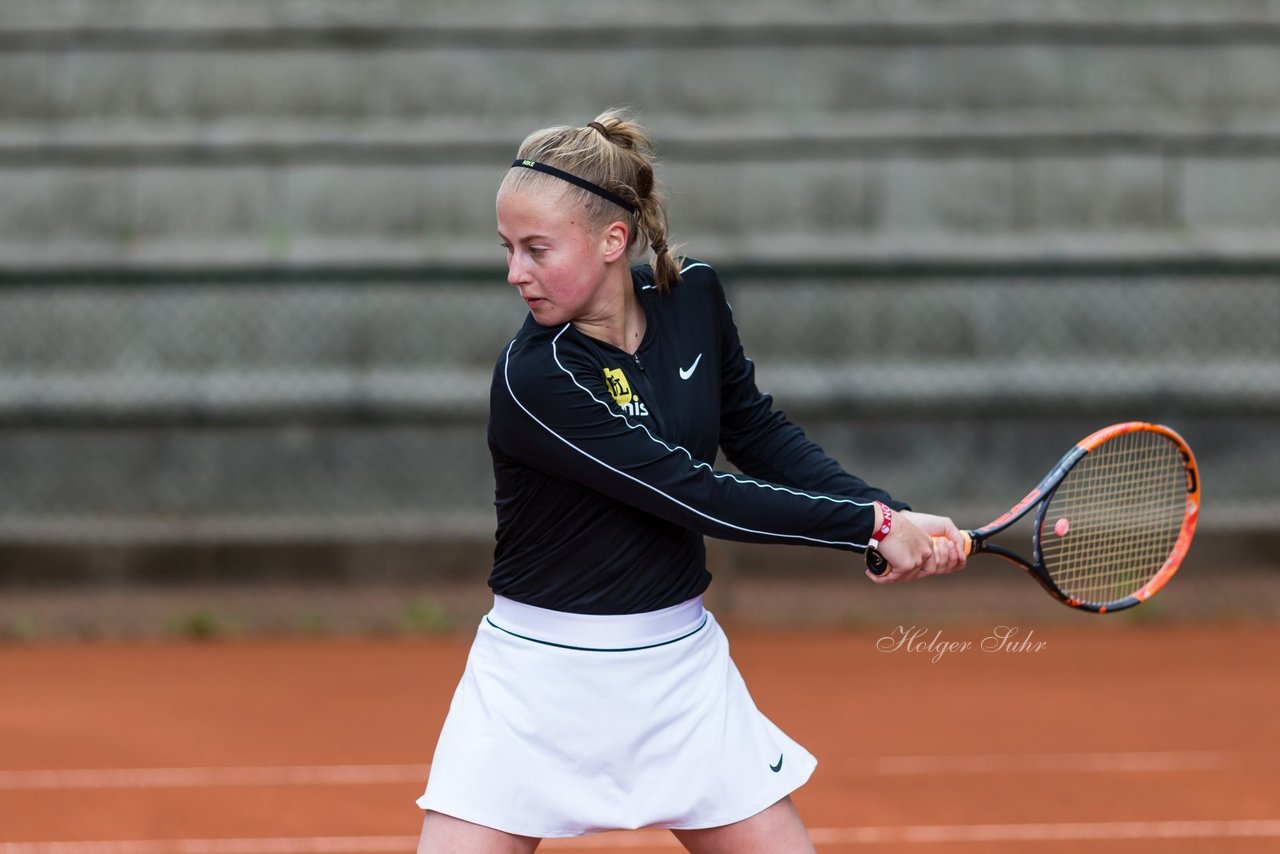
{"points": [[553, 258]]}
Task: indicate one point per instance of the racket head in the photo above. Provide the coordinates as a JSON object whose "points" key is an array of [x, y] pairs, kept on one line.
{"points": [[1119, 520]]}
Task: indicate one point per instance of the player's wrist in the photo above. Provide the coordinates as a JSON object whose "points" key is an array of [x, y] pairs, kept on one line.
{"points": [[883, 524]]}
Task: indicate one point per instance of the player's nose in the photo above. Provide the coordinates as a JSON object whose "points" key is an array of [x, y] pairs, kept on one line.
{"points": [[517, 273]]}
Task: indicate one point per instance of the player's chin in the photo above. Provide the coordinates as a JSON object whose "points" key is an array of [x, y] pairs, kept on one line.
{"points": [[546, 314]]}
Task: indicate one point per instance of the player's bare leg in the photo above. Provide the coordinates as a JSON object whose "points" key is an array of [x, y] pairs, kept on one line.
{"points": [[776, 830], [444, 834]]}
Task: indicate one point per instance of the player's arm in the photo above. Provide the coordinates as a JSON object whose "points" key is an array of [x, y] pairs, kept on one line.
{"points": [[760, 440], [556, 416]]}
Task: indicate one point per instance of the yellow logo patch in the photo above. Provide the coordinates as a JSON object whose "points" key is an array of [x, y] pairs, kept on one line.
{"points": [[616, 380]]}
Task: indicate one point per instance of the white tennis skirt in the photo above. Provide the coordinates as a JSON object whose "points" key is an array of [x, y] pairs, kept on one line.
{"points": [[568, 724]]}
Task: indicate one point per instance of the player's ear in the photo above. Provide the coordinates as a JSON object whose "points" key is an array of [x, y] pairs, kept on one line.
{"points": [[614, 241]]}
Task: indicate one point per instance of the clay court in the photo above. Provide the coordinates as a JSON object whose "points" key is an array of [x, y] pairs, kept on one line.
{"points": [[1110, 735]]}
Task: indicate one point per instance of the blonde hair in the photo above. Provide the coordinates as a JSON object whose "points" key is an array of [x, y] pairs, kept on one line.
{"points": [[616, 154]]}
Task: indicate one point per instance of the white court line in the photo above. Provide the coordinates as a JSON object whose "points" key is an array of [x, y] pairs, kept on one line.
{"points": [[168, 778], [1053, 763], [1055, 832], [280, 845], [909, 834], [363, 775]]}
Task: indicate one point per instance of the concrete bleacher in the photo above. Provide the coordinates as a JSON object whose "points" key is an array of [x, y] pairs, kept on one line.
{"points": [[223, 134], [250, 288]]}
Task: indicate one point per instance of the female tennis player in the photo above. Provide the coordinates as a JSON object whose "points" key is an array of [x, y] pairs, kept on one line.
{"points": [[599, 694]]}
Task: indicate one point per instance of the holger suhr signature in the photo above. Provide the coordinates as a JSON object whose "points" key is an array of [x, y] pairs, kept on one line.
{"points": [[919, 640]]}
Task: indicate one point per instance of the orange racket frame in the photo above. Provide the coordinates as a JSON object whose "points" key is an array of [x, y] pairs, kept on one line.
{"points": [[976, 540]]}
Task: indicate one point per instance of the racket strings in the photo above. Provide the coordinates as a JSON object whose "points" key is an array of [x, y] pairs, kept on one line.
{"points": [[1131, 540], [1124, 504]]}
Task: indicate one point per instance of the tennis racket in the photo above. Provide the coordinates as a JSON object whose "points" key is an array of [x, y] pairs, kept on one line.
{"points": [[1113, 519]]}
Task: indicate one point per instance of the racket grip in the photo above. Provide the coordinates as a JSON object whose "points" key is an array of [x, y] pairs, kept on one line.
{"points": [[877, 565]]}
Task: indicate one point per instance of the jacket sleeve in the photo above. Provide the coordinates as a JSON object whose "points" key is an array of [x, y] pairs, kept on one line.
{"points": [[762, 441], [555, 415]]}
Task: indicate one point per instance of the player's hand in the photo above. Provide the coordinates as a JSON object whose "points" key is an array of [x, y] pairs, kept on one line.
{"points": [[920, 545]]}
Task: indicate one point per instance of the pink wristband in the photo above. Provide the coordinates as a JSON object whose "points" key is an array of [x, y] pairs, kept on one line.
{"points": [[886, 525]]}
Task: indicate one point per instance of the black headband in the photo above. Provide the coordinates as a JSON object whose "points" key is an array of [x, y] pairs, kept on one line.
{"points": [[577, 182]]}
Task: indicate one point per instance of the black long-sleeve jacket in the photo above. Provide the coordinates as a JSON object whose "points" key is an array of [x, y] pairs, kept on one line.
{"points": [[603, 460]]}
